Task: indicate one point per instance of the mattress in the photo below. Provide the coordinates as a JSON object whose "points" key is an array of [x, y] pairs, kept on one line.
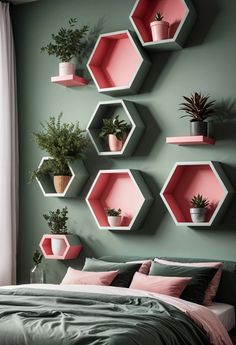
{"points": [[226, 314]]}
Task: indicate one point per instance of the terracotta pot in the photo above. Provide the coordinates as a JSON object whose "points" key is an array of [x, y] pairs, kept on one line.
{"points": [[58, 246], [60, 183], [160, 30], [198, 128], [198, 215], [114, 220], [66, 68], [114, 143]]}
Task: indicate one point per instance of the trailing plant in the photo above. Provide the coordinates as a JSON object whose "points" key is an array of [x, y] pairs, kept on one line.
{"points": [[112, 212], [37, 257], [198, 201], [114, 126], [159, 17], [197, 107], [68, 42], [56, 221]]}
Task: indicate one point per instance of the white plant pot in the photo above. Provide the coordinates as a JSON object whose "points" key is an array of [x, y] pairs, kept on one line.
{"points": [[114, 220], [66, 68], [198, 215], [58, 246]]}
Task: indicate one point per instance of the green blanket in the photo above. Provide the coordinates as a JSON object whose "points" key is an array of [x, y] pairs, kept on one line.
{"points": [[45, 317]]}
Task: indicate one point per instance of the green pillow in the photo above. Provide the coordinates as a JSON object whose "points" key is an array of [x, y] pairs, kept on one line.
{"points": [[195, 290], [125, 275]]}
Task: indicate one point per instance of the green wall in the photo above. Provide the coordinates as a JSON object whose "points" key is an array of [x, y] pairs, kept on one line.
{"points": [[207, 64]]}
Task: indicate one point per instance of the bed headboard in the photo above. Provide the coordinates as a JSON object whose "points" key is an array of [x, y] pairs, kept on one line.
{"points": [[227, 289]]}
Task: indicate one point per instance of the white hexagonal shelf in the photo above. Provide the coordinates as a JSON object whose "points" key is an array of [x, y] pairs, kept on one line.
{"points": [[123, 189], [187, 179], [79, 176], [180, 15], [127, 112]]}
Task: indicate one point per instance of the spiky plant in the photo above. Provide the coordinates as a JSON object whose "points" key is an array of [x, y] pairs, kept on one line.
{"points": [[112, 212], [37, 257], [159, 17], [114, 126], [197, 107], [198, 201], [56, 221]]}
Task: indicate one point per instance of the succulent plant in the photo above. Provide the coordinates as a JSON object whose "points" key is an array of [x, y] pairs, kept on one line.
{"points": [[114, 126], [197, 107], [112, 212], [198, 201], [159, 17]]}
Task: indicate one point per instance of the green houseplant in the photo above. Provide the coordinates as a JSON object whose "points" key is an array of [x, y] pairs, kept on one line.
{"points": [[67, 44], [198, 210], [198, 108], [116, 131], [114, 216], [37, 273], [159, 28]]}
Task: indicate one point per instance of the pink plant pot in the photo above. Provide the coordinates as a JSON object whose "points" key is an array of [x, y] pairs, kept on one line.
{"points": [[114, 143], [66, 68], [160, 30]]}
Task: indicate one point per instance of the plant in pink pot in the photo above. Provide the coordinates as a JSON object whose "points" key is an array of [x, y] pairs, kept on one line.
{"points": [[114, 217], [159, 28]]}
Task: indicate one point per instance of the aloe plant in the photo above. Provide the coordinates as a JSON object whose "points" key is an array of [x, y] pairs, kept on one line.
{"points": [[197, 106], [159, 17], [198, 201]]}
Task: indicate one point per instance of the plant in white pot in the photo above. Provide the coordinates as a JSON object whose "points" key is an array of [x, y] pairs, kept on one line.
{"points": [[56, 221], [159, 28], [114, 217], [199, 209], [198, 108], [67, 44], [115, 131]]}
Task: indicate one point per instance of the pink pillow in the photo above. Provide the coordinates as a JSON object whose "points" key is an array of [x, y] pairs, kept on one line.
{"points": [[171, 286], [73, 276], [214, 283], [144, 268]]}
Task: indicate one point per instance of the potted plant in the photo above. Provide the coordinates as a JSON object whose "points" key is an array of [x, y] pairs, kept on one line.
{"points": [[68, 43], [64, 142], [198, 108], [159, 28], [56, 221], [199, 209], [114, 216], [116, 131], [37, 273]]}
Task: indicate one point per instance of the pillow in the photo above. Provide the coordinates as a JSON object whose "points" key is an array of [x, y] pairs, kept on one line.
{"points": [[73, 276], [145, 267], [125, 274], [214, 283], [171, 286], [195, 290]]}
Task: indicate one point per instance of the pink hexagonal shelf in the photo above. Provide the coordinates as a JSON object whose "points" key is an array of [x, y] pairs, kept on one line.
{"points": [[117, 64], [123, 189], [72, 246], [190, 178], [180, 15]]}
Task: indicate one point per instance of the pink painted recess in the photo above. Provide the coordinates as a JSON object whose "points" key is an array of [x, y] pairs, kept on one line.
{"points": [[72, 250], [69, 80], [115, 190], [190, 140], [115, 61], [188, 181], [173, 10]]}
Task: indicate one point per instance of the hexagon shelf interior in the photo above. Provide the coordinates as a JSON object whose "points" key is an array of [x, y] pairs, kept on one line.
{"points": [[190, 178], [123, 189], [179, 13], [117, 63], [72, 246], [127, 112], [79, 176]]}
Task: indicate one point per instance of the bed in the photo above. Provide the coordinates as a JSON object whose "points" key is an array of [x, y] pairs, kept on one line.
{"points": [[110, 315]]}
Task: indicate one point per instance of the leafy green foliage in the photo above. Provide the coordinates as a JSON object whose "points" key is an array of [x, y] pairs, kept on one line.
{"points": [[56, 221], [68, 42], [197, 107], [198, 201], [159, 17], [37, 257], [114, 126], [53, 167], [112, 212]]}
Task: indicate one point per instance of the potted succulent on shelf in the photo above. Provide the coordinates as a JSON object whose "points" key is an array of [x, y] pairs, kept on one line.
{"points": [[67, 44], [159, 28], [199, 209], [116, 131], [56, 221], [114, 217], [37, 273], [198, 108], [64, 142]]}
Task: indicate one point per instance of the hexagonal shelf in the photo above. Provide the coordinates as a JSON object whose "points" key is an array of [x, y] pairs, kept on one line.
{"points": [[117, 64], [123, 189], [127, 112], [75, 185], [180, 15], [72, 246], [189, 178]]}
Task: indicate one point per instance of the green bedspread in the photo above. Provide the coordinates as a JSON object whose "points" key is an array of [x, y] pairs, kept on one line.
{"points": [[42, 317]]}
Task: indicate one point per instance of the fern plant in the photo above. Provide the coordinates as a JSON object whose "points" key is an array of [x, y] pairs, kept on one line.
{"points": [[159, 17], [114, 126], [57, 220], [68, 42], [198, 201], [197, 106]]}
